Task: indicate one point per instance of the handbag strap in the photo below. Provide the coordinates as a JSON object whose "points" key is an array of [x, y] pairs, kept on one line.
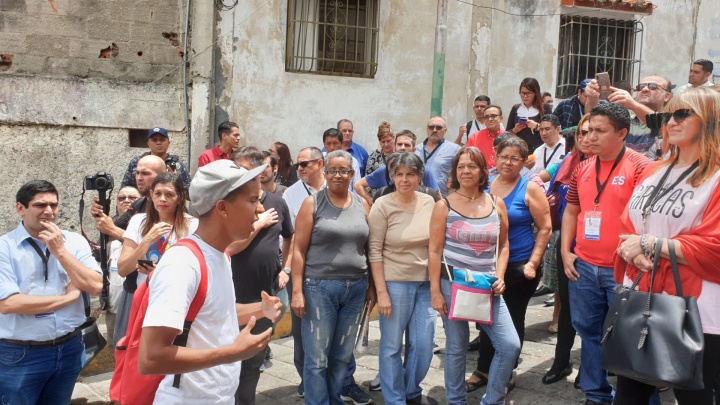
{"points": [[497, 241], [446, 268], [674, 265]]}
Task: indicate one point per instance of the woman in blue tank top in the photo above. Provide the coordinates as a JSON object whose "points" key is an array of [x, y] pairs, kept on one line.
{"points": [[527, 207], [464, 230]]}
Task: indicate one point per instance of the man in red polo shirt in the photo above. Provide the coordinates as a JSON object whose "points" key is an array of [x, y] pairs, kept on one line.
{"points": [[600, 188], [229, 134], [484, 138]]}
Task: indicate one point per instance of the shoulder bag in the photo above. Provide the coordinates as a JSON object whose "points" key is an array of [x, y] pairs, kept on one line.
{"points": [[655, 338]]}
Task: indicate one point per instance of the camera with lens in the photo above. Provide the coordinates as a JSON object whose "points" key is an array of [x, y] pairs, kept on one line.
{"points": [[654, 121], [171, 162], [101, 182]]}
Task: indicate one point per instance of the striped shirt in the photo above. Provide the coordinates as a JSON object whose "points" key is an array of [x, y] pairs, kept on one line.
{"points": [[470, 242]]}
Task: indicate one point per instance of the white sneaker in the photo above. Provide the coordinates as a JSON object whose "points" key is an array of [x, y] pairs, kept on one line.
{"points": [[375, 383]]}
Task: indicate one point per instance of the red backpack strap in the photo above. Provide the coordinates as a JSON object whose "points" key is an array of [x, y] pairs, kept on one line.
{"points": [[197, 302]]}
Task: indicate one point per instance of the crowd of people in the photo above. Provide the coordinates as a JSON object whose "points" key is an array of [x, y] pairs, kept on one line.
{"points": [[572, 198]]}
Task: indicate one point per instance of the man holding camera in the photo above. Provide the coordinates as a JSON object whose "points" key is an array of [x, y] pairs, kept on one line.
{"points": [[43, 272], [158, 142], [148, 167]]}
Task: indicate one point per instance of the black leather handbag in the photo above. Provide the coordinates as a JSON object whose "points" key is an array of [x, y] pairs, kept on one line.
{"points": [[656, 339], [92, 338]]}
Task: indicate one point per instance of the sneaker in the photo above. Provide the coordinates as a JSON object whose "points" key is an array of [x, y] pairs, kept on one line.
{"points": [[262, 367], [422, 400], [356, 395], [301, 390], [268, 353], [436, 349], [542, 290], [375, 383]]}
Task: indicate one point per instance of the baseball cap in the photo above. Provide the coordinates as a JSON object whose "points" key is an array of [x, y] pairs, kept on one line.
{"points": [[215, 181], [584, 83], [157, 130]]}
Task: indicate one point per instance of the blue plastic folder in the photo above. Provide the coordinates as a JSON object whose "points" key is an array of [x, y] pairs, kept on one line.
{"points": [[482, 281]]}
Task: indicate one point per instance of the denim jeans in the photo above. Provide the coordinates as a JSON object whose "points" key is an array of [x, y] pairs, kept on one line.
{"points": [[507, 349], [411, 312], [299, 352], [32, 375], [590, 298], [329, 328]]}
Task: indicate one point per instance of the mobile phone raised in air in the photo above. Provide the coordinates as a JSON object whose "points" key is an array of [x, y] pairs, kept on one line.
{"points": [[603, 80]]}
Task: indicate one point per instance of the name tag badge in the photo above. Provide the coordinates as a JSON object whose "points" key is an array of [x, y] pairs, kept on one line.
{"points": [[43, 316], [592, 225]]}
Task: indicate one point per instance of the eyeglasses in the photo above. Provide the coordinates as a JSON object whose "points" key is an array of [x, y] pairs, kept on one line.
{"points": [[524, 94], [651, 86], [343, 172], [678, 115], [513, 159], [304, 164], [436, 127], [491, 116], [126, 198]]}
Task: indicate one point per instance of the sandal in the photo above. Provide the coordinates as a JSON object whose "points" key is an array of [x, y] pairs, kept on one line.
{"points": [[553, 328], [509, 387], [471, 386]]}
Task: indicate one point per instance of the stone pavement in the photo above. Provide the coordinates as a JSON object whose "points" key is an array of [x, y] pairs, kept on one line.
{"points": [[278, 384]]}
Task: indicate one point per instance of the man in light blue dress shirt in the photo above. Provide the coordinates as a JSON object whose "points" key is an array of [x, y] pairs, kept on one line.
{"points": [[43, 272], [436, 154]]}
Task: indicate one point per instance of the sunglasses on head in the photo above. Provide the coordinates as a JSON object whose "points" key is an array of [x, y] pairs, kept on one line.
{"points": [[304, 164], [651, 86], [678, 115]]}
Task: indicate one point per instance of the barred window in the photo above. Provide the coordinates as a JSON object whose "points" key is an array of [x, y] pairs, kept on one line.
{"points": [[589, 46], [331, 37]]}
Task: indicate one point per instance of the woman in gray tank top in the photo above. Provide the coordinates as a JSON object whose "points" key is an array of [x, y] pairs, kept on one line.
{"points": [[330, 279], [465, 229]]}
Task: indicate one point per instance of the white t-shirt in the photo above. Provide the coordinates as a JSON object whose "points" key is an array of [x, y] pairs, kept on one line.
{"points": [[134, 233], [172, 289], [553, 155], [679, 212]]}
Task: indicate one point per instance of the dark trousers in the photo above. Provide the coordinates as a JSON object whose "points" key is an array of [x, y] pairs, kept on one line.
{"points": [[566, 332], [632, 392], [249, 377], [299, 352], [518, 291]]}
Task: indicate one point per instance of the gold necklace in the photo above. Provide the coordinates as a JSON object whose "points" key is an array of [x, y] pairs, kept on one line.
{"points": [[468, 197]]}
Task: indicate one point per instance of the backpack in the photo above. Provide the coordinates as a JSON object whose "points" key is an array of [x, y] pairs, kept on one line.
{"points": [[128, 386]]}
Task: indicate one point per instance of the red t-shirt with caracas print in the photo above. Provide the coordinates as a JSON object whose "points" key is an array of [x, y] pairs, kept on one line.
{"points": [[613, 200]]}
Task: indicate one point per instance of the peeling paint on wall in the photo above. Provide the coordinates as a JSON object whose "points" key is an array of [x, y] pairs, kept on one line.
{"points": [[6, 61], [111, 50]]}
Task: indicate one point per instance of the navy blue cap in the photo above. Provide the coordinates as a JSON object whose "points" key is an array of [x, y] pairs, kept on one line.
{"points": [[157, 130], [584, 83]]}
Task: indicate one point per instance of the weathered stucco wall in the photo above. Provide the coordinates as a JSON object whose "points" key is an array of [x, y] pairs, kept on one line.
{"points": [[708, 34], [269, 104], [75, 75]]}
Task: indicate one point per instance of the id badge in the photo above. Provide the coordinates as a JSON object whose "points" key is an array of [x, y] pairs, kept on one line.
{"points": [[592, 225]]}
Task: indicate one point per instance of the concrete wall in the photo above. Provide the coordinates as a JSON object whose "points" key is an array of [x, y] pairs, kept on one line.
{"points": [[708, 34], [64, 110], [270, 104]]}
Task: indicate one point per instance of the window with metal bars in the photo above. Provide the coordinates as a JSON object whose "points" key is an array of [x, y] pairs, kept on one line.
{"points": [[589, 46], [331, 37]]}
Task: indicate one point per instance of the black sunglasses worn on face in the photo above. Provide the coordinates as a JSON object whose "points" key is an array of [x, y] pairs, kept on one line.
{"points": [[304, 164], [651, 86], [679, 115], [435, 127]]}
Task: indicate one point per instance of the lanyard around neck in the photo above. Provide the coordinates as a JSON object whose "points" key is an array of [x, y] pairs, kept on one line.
{"points": [[45, 257], [425, 154], [601, 187], [656, 195], [547, 160]]}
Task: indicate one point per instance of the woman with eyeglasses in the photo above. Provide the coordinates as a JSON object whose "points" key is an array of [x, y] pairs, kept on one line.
{"points": [[466, 230], [560, 183], [398, 250], [524, 118], [126, 196], [527, 211], [330, 278], [378, 158], [679, 199], [286, 174], [148, 236]]}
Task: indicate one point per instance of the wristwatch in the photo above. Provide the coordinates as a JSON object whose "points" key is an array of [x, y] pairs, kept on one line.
{"points": [[286, 270]]}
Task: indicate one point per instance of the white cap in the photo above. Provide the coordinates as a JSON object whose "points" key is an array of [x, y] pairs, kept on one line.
{"points": [[215, 181]]}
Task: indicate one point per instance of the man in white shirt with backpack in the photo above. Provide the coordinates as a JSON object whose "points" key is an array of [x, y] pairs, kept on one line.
{"points": [[224, 197]]}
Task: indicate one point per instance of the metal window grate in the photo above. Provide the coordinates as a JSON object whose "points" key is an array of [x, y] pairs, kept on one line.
{"points": [[588, 46], [330, 37]]}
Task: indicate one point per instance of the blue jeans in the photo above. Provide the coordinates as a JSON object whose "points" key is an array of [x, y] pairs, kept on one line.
{"points": [[505, 340], [299, 352], [590, 297], [411, 311], [329, 328], [32, 375]]}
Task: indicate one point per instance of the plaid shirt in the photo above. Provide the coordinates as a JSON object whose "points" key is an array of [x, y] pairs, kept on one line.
{"points": [[640, 138], [129, 176], [569, 111]]}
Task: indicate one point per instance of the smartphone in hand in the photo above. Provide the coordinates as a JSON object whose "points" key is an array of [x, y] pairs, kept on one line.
{"points": [[603, 80], [522, 121], [143, 262], [261, 325]]}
